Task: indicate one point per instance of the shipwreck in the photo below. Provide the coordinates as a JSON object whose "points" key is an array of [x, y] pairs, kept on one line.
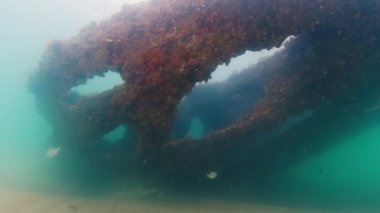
{"points": [[325, 77]]}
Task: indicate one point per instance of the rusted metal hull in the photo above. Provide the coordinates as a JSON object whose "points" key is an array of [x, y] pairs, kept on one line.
{"points": [[162, 48]]}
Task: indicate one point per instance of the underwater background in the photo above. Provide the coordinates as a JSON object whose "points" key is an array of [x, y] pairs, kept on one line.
{"points": [[344, 176]]}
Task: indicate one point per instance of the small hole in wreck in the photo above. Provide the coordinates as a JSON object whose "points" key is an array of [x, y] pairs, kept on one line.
{"points": [[99, 84], [122, 134], [116, 134]]}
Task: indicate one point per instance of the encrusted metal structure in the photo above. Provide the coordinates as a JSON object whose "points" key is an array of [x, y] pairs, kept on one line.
{"points": [[162, 48]]}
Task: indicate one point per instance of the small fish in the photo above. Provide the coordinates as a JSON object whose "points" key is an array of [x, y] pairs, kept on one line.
{"points": [[108, 40], [212, 175], [52, 152]]}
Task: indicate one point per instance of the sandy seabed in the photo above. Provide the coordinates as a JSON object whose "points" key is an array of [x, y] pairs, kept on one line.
{"points": [[21, 201]]}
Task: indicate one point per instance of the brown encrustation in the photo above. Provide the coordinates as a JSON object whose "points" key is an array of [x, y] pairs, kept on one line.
{"points": [[162, 48]]}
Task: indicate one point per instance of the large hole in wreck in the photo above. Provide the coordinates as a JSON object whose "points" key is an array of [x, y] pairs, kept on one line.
{"points": [[99, 84], [221, 101]]}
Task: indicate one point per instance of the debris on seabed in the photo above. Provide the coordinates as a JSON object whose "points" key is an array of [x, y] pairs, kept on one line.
{"points": [[52, 152]]}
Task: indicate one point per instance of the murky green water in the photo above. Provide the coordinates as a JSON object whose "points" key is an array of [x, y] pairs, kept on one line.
{"points": [[343, 176]]}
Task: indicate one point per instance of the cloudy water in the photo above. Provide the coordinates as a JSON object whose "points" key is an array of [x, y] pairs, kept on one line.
{"points": [[321, 157]]}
